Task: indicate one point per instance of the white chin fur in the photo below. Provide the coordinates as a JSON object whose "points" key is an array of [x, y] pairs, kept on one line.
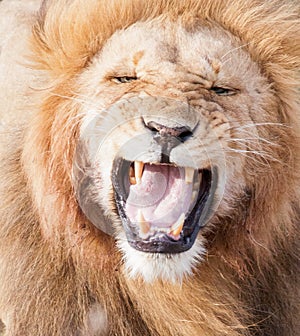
{"points": [[160, 266]]}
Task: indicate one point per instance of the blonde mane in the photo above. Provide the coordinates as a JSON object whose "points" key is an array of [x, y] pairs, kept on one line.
{"points": [[228, 293]]}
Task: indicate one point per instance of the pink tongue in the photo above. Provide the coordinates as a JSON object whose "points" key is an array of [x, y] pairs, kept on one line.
{"points": [[162, 196]]}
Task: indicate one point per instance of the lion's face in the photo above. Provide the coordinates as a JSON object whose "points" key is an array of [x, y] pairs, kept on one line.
{"points": [[171, 138]]}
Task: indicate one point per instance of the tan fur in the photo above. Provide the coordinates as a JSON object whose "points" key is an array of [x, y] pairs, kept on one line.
{"points": [[55, 265]]}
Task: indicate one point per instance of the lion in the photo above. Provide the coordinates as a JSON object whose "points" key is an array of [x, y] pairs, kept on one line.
{"points": [[150, 161]]}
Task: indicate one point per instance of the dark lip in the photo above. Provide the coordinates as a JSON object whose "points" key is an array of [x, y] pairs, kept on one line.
{"points": [[162, 243]]}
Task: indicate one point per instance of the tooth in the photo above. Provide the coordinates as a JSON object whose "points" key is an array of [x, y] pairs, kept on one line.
{"points": [[177, 227], [138, 170], [189, 175], [199, 178], [132, 180], [144, 225], [131, 176], [197, 183], [194, 195]]}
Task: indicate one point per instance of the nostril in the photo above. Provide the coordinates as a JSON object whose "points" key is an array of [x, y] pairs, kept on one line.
{"points": [[182, 132], [152, 127], [186, 135]]}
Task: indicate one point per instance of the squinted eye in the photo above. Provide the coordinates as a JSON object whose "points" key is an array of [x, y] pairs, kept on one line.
{"points": [[123, 79], [220, 91]]}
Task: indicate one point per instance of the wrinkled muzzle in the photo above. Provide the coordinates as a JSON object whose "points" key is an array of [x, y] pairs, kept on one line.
{"points": [[132, 160]]}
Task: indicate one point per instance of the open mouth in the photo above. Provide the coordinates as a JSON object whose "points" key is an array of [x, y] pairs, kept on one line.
{"points": [[162, 206]]}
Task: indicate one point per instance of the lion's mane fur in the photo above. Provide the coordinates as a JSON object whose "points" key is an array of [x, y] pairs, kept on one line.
{"points": [[55, 266]]}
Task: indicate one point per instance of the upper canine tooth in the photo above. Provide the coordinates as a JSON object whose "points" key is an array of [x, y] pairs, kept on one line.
{"points": [[144, 225], [138, 170], [177, 227], [189, 175]]}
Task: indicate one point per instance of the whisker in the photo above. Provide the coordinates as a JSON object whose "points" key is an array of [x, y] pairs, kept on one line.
{"points": [[252, 140], [257, 124], [261, 154], [234, 49], [79, 100], [252, 158]]}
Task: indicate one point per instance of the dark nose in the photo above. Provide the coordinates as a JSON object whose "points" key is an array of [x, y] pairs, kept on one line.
{"points": [[181, 132]]}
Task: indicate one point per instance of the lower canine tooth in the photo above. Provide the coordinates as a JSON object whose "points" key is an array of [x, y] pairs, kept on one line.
{"points": [[199, 178], [178, 226], [189, 175], [144, 225], [138, 170]]}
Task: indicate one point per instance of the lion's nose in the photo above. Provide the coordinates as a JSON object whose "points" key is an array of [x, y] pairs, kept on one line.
{"points": [[181, 132]]}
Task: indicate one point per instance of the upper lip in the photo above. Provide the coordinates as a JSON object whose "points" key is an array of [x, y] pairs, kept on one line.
{"points": [[175, 237]]}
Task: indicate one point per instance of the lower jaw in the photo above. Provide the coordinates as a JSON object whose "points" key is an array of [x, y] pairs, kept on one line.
{"points": [[151, 267]]}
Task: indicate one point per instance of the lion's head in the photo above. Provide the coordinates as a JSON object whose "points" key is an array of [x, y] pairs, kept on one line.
{"points": [[159, 163], [178, 123], [179, 128]]}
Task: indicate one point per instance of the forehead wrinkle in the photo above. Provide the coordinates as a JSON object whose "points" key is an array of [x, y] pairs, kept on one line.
{"points": [[201, 51], [168, 51]]}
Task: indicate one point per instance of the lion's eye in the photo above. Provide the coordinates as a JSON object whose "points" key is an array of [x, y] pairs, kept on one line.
{"points": [[124, 79], [221, 91]]}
